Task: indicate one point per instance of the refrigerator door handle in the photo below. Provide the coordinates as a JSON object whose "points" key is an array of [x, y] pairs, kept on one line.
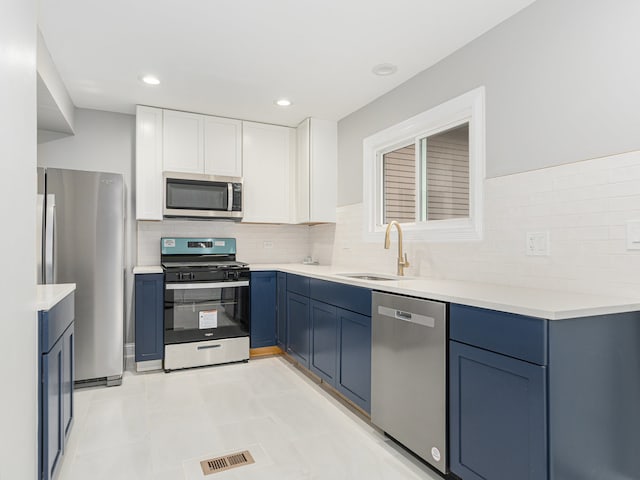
{"points": [[49, 239], [40, 228]]}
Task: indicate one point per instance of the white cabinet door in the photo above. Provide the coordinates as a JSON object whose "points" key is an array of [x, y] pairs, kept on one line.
{"points": [[316, 171], [182, 142], [323, 176], [222, 146], [148, 163], [303, 164], [268, 152]]}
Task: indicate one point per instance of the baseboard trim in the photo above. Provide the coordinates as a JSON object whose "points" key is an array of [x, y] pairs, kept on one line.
{"points": [[265, 352], [356, 409], [148, 365]]}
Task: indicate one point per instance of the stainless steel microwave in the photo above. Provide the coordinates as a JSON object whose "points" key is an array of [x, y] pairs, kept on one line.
{"points": [[202, 196]]}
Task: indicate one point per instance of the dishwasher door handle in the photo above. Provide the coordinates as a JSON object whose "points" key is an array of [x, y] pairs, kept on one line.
{"points": [[416, 318]]}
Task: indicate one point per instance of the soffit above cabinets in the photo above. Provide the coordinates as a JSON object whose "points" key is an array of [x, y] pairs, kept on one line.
{"points": [[56, 112], [234, 58]]}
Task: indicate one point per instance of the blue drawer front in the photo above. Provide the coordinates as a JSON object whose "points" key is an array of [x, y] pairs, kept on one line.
{"points": [[355, 299], [517, 336], [298, 284], [53, 323]]}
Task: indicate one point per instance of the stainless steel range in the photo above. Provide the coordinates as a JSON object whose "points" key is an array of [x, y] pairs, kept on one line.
{"points": [[206, 302]]}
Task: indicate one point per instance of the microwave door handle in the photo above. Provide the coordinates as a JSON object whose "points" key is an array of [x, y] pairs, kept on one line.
{"points": [[229, 196]]}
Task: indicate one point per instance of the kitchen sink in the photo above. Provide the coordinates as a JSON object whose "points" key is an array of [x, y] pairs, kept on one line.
{"points": [[370, 276]]}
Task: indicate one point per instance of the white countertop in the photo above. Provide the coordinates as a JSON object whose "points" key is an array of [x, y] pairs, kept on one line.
{"points": [[47, 296], [549, 304], [141, 269]]}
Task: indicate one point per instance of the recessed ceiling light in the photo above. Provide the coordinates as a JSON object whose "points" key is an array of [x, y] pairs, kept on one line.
{"points": [[283, 102], [151, 80], [384, 69]]}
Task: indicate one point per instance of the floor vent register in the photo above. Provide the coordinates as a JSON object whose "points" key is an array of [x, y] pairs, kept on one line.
{"points": [[227, 462]]}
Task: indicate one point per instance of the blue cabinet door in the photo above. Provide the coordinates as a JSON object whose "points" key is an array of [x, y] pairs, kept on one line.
{"points": [[263, 309], [498, 416], [324, 341], [149, 322], [299, 327], [281, 311], [354, 343], [52, 369], [68, 348]]}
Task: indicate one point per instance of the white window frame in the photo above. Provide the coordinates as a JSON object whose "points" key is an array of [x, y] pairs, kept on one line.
{"points": [[468, 107]]}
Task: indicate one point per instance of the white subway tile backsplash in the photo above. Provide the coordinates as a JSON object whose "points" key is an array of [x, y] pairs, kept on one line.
{"points": [[290, 242], [584, 206]]}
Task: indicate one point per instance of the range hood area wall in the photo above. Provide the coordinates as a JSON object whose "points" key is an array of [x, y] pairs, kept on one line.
{"points": [[255, 243]]}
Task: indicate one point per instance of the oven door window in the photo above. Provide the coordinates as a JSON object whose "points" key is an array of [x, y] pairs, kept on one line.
{"points": [[196, 314], [197, 195]]}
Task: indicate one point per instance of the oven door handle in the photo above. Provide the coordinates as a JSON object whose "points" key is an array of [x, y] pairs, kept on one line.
{"points": [[203, 285]]}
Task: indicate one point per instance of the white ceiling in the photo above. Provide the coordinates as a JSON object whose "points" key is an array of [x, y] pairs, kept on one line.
{"points": [[233, 58]]}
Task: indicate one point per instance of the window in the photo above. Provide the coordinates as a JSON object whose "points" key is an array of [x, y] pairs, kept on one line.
{"points": [[427, 172]]}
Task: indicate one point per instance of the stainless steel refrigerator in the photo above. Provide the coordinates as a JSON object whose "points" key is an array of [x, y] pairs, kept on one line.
{"points": [[81, 241]]}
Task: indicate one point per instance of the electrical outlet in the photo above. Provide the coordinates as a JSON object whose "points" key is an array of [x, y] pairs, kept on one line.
{"points": [[537, 243], [633, 235], [267, 244]]}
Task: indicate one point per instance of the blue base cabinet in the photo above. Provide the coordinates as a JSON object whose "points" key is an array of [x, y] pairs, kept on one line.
{"points": [[324, 341], [68, 352], [534, 399], [52, 433], [263, 309], [56, 371], [498, 416], [497, 395], [281, 311], [298, 327], [354, 357], [329, 333], [149, 321]]}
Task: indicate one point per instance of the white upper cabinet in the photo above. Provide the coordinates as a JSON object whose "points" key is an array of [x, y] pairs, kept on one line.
{"points": [[268, 155], [222, 146], [148, 163], [316, 171], [183, 144]]}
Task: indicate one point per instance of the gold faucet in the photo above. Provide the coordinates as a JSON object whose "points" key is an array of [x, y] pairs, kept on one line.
{"points": [[402, 259]]}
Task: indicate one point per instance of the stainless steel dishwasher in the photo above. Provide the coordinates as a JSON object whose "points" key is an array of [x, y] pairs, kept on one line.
{"points": [[408, 374]]}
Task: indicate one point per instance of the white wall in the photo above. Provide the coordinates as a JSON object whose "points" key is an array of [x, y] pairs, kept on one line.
{"points": [[18, 323], [103, 142], [561, 86]]}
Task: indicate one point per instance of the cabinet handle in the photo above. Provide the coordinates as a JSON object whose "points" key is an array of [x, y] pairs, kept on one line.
{"points": [[207, 347]]}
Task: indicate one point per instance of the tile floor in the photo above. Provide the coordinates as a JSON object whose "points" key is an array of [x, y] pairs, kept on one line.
{"points": [[160, 426]]}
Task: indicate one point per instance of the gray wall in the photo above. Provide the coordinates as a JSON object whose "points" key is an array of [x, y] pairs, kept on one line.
{"points": [[562, 85], [103, 142]]}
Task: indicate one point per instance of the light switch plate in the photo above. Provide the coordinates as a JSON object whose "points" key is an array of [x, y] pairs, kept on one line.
{"points": [[267, 244], [633, 235], [537, 244]]}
